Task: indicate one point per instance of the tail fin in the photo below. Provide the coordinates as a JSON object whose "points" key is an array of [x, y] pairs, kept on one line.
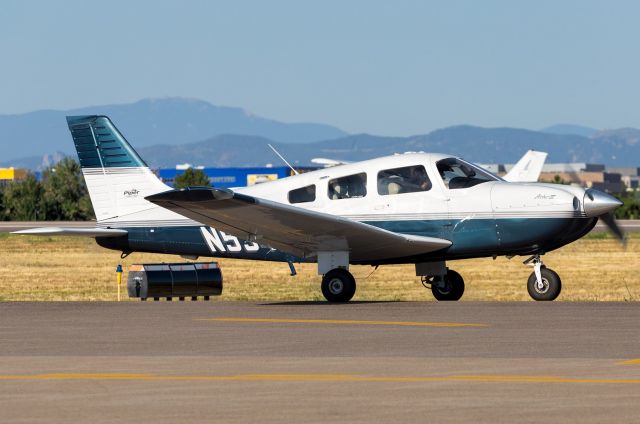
{"points": [[117, 178], [528, 168]]}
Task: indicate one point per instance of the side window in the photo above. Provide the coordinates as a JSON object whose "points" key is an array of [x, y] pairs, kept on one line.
{"points": [[348, 187], [303, 194], [409, 179]]}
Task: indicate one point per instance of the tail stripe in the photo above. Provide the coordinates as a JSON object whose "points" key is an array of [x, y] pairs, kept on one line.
{"points": [[100, 144], [86, 146]]}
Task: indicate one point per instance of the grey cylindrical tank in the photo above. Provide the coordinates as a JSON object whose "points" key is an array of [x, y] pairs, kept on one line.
{"points": [[174, 280]]}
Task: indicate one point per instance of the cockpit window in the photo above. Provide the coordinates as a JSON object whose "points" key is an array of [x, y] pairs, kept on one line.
{"points": [[408, 179], [457, 173]]}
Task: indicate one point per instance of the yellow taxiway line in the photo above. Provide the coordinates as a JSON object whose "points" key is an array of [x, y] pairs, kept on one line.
{"points": [[343, 322], [321, 378], [630, 362]]}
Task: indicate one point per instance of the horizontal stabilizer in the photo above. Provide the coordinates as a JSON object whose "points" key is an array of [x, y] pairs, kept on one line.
{"points": [[66, 231]]}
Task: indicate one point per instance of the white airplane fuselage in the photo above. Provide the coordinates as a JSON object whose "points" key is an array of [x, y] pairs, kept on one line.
{"points": [[492, 218]]}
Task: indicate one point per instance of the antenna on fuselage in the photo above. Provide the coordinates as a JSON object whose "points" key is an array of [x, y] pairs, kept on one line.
{"points": [[283, 159]]}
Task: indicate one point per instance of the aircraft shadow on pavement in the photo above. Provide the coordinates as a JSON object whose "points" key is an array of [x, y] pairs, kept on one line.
{"points": [[325, 303]]}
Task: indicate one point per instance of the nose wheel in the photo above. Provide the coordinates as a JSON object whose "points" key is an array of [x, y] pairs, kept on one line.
{"points": [[544, 284]]}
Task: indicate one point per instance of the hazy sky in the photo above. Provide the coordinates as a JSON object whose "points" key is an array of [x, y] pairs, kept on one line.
{"points": [[383, 67]]}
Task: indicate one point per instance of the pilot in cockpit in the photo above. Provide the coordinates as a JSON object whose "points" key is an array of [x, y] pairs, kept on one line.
{"points": [[418, 178]]}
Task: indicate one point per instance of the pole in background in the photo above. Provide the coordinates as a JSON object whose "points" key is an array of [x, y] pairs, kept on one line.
{"points": [[119, 279]]}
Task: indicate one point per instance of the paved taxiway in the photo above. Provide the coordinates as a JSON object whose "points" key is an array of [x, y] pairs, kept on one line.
{"points": [[316, 362]]}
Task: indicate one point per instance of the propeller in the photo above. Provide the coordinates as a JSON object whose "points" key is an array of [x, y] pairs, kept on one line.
{"points": [[609, 219], [603, 205]]}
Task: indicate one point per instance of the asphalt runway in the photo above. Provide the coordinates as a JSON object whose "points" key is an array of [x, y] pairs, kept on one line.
{"points": [[316, 362]]}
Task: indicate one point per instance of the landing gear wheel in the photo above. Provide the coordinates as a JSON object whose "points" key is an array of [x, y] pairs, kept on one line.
{"points": [[338, 285], [451, 288], [550, 287]]}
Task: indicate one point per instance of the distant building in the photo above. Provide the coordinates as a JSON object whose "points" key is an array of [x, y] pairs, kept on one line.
{"points": [[625, 171], [631, 182], [12, 174], [603, 181], [590, 175], [234, 177], [495, 168], [572, 168], [630, 176]]}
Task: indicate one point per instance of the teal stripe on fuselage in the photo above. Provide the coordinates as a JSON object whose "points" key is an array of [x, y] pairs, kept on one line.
{"points": [[470, 238], [495, 236]]}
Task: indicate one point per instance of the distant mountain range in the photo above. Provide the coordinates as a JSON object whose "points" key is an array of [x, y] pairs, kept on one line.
{"points": [[148, 122], [568, 129], [484, 145], [175, 130]]}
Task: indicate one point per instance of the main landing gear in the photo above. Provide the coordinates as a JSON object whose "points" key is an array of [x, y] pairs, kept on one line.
{"points": [[448, 287], [543, 283], [338, 285], [445, 283]]}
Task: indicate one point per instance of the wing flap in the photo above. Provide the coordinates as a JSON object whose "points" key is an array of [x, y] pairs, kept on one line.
{"points": [[292, 229]]}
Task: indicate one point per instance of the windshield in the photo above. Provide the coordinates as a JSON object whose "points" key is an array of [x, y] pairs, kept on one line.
{"points": [[457, 173]]}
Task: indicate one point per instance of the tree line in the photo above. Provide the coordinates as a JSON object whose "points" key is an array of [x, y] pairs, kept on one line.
{"points": [[61, 195]]}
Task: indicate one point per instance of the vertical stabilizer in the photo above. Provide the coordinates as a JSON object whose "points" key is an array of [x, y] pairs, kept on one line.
{"points": [[117, 178], [528, 168]]}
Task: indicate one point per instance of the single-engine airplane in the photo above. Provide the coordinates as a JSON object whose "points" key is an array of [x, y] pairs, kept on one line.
{"points": [[416, 208]]}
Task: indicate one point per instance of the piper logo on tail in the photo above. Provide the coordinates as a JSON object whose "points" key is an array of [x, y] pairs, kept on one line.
{"points": [[221, 242], [131, 193]]}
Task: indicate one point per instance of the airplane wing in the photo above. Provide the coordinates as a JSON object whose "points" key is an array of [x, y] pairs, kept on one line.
{"points": [[528, 168], [292, 229], [68, 231]]}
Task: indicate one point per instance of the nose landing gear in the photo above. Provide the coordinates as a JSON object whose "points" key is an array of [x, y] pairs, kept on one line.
{"points": [[543, 284]]}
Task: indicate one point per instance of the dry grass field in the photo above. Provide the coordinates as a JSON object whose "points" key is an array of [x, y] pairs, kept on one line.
{"points": [[57, 268]]}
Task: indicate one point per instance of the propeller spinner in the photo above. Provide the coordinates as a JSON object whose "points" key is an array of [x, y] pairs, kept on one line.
{"points": [[602, 205]]}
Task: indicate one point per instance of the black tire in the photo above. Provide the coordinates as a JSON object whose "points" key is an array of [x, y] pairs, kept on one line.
{"points": [[453, 287], [551, 285], [338, 285]]}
